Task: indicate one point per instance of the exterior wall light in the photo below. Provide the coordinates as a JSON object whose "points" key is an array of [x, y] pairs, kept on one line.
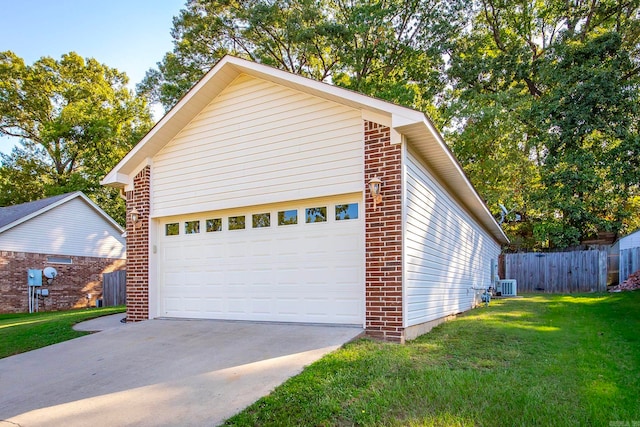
{"points": [[375, 185], [135, 217]]}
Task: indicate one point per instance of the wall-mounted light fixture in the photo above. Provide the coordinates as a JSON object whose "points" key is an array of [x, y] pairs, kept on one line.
{"points": [[375, 186], [135, 217]]}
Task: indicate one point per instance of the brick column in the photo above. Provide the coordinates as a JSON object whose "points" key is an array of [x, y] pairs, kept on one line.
{"points": [[138, 248], [383, 235]]}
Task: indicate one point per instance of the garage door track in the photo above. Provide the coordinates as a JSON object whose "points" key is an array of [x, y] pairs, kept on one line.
{"points": [[158, 372]]}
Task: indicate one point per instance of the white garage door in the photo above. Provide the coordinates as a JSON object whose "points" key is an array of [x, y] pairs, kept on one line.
{"points": [[292, 263]]}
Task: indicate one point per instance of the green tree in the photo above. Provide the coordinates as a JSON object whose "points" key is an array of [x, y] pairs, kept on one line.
{"points": [[396, 50], [544, 95], [588, 122], [291, 35], [75, 119]]}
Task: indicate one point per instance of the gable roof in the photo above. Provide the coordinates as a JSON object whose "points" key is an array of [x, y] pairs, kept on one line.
{"points": [[404, 122], [11, 216]]}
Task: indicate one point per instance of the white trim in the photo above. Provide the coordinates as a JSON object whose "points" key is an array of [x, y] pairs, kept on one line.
{"points": [[148, 161], [364, 252], [153, 298], [395, 137], [403, 180], [375, 117]]}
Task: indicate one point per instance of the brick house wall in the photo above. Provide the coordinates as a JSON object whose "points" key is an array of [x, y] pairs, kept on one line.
{"points": [[138, 247], [383, 235], [70, 289]]}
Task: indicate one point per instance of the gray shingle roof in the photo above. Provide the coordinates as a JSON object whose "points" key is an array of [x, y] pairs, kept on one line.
{"points": [[10, 214]]}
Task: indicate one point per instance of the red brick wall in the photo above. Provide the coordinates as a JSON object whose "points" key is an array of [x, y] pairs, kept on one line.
{"points": [[383, 235], [138, 248], [69, 289]]}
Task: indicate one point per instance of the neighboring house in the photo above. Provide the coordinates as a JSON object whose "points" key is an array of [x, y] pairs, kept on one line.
{"points": [[629, 250], [251, 202], [68, 232]]}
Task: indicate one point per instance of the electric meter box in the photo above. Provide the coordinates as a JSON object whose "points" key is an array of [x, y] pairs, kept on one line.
{"points": [[34, 277]]}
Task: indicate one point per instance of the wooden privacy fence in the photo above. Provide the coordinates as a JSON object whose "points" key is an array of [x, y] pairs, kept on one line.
{"points": [[114, 288], [629, 262], [558, 272]]}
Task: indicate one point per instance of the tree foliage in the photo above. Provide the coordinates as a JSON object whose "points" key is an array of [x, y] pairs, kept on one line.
{"points": [[75, 119], [588, 126], [548, 93]]}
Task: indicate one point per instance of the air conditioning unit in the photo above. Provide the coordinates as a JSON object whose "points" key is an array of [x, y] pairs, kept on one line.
{"points": [[507, 288]]}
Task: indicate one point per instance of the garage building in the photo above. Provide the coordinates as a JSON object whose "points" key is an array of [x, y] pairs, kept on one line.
{"points": [[252, 200]]}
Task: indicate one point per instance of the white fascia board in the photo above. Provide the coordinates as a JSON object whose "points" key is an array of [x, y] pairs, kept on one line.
{"points": [[148, 161], [376, 117], [401, 120], [454, 162], [115, 179], [141, 150]]}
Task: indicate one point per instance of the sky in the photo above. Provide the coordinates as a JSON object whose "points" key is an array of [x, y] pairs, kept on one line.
{"points": [[129, 35]]}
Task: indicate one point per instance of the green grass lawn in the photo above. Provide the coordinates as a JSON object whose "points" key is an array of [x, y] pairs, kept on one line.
{"points": [[533, 361], [27, 331]]}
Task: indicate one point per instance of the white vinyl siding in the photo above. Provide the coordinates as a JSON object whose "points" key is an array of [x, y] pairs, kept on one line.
{"points": [[259, 142], [72, 228], [446, 253], [630, 241]]}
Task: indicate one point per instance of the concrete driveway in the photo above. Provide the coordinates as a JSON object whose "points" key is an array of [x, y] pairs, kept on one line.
{"points": [[158, 372]]}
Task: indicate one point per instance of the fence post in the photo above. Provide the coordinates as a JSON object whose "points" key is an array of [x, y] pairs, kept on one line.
{"points": [[602, 264]]}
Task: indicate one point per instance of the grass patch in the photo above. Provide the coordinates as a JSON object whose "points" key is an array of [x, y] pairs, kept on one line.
{"points": [[535, 361], [20, 332]]}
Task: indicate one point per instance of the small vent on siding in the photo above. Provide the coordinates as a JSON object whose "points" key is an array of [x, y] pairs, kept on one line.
{"points": [[59, 260]]}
